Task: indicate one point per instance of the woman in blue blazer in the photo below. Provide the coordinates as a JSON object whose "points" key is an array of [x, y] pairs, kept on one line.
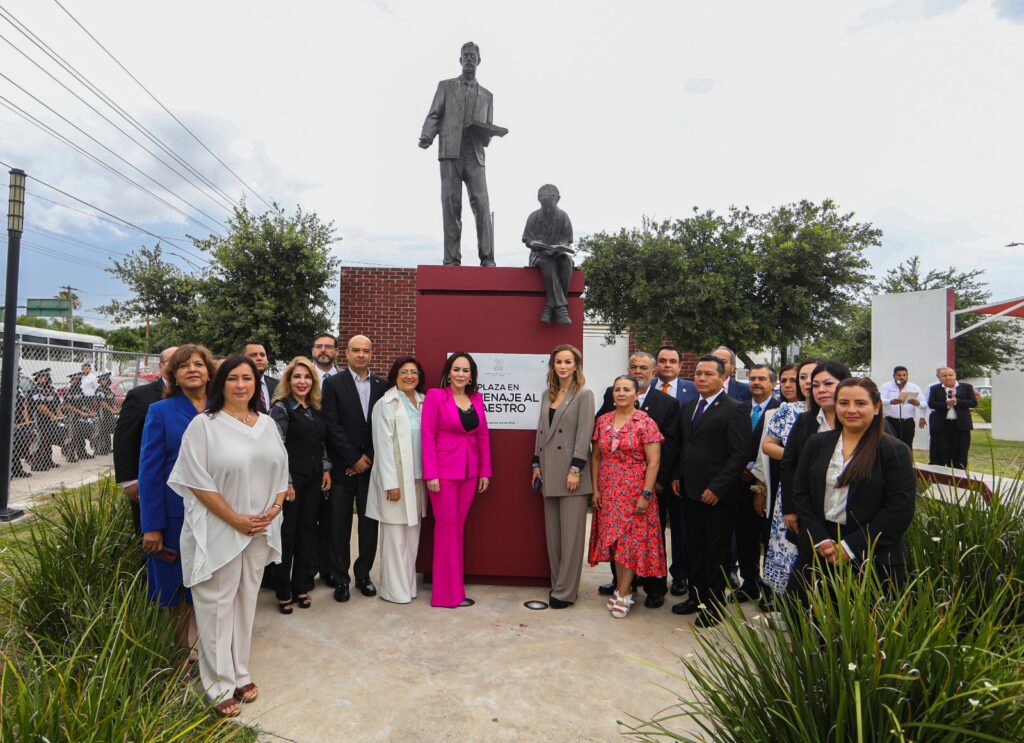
{"points": [[162, 510]]}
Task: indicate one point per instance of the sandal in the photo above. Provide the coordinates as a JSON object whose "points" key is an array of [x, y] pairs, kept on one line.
{"points": [[610, 606], [304, 602], [621, 609], [228, 708], [247, 693], [285, 607]]}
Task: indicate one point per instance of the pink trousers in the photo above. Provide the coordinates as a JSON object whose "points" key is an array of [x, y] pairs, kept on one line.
{"points": [[450, 506]]}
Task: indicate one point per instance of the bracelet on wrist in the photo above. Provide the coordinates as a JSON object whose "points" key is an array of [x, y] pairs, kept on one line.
{"points": [[276, 505]]}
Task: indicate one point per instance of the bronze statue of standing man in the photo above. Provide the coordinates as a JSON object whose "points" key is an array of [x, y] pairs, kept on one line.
{"points": [[462, 113]]}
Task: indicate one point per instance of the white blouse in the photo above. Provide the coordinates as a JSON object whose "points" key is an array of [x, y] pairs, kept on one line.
{"points": [[835, 496], [248, 466]]}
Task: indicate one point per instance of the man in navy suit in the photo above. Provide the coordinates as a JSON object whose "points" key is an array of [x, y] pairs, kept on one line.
{"points": [[751, 528], [348, 400], [734, 388], [715, 433], [950, 419], [664, 411]]}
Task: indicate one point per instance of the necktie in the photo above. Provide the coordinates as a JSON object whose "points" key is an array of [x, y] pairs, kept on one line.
{"points": [[701, 406], [755, 416], [263, 398], [666, 387]]}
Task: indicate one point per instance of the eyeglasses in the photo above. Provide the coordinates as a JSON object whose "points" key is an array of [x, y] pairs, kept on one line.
{"points": [[408, 373]]}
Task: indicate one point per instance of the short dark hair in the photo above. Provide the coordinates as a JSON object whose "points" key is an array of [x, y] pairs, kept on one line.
{"points": [[318, 336], [719, 364], [216, 402], [771, 372], [421, 385], [256, 343], [899, 369], [668, 347], [470, 45], [446, 382], [634, 380]]}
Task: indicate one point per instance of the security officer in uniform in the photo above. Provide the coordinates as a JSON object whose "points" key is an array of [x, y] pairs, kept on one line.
{"points": [[22, 431], [50, 421], [81, 418], [106, 415]]}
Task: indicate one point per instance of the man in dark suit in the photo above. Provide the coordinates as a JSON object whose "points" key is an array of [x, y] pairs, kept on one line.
{"points": [[751, 528], [664, 411], [348, 400], [128, 433], [733, 387], [257, 351], [715, 433], [950, 420], [458, 103]]}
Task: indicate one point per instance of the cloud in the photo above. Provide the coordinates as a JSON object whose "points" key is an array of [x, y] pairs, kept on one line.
{"points": [[907, 11], [1009, 10], [699, 85]]}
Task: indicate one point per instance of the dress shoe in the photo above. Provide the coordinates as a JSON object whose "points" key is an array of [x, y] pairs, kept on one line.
{"points": [[341, 593], [545, 316], [330, 580], [767, 602], [685, 607], [487, 263], [366, 587], [606, 589], [743, 594], [654, 602], [562, 316], [679, 588], [734, 581], [707, 619], [558, 603]]}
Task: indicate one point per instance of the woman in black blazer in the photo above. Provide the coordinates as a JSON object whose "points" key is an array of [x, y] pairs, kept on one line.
{"points": [[854, 487]]}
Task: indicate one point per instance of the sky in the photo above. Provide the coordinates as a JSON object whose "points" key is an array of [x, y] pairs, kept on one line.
{"points": [[907, 113]]}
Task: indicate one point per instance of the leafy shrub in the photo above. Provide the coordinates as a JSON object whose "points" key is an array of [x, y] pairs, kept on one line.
{"points": [[940, 660], [984, 409], [89, 658]]}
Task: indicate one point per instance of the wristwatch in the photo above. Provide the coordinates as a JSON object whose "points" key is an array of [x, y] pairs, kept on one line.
{"points": [[646, 494]]}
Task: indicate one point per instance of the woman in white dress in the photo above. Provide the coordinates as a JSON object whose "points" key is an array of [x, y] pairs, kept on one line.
{"points": [[397, 497], [232, 472]]}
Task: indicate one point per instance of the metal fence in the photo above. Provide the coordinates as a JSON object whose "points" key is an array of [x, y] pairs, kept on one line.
{"points": [[67, 402]]}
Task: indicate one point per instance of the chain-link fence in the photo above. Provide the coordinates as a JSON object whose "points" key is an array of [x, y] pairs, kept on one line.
{"points": [[67, 401]]}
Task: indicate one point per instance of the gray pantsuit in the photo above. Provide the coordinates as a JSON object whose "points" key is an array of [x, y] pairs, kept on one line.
{"points": [[566, 436]]}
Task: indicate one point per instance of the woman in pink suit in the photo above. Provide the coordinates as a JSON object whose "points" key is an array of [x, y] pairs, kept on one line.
{"points": [[456, 466]]}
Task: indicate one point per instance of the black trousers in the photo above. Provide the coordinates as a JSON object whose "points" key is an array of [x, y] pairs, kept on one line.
{"points": [[952, 444], [903, 429], [320, 561], [298, 531], [678, 568], [708, 544], [751, 530], [347, 492]]}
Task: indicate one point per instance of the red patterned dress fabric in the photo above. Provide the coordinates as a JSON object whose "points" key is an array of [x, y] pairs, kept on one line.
{"points": [[634, 540]]}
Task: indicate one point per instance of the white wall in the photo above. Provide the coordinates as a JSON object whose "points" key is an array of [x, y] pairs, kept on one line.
{"points": [[1008, 405], [911, 330], [601, 363]]}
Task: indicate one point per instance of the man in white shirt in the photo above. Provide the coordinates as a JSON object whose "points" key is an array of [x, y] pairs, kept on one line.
{"points": [[901, 401], [266, 385], [89, 381], [325, 351]]}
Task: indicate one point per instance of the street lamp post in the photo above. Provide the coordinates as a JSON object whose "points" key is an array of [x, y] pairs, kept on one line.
{"points": [[9, 372]]}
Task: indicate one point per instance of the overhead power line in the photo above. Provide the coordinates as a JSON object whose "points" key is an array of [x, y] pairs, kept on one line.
{"points": [[119, 157], [60, 255], [104, 98], [215, 197], [160, 103], [7, 103]]}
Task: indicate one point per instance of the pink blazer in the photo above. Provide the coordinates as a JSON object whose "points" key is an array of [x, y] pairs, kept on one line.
{"points": [[449, 452]]}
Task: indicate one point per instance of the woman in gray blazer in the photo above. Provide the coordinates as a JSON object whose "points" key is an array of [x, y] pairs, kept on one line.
{"points": [[561, 464]]}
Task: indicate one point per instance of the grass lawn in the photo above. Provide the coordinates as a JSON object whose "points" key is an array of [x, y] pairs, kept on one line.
{"points": [[1005, 458]]}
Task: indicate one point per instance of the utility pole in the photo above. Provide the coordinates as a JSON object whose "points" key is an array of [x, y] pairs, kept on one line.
{"points": [[9, 373], [69, 290]]}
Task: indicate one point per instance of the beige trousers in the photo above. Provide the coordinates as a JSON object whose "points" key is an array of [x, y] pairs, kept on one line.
{"points": [[398, 546], [565, 526], [225, 606]]}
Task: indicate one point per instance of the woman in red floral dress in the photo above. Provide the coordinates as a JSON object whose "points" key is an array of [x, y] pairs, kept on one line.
{"points": [[625, 526]]}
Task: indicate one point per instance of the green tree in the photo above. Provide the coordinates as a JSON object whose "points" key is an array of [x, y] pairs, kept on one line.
{"points": [[127, 339], [745, 280], [163, 294], [996, 345], [268, 280]]}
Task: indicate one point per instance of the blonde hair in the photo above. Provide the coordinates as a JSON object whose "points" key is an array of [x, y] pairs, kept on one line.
{"points": [[284, 387], [578, 380]]}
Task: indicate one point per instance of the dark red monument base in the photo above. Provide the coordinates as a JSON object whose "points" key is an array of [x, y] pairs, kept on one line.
{"points": [[493, 310]]}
